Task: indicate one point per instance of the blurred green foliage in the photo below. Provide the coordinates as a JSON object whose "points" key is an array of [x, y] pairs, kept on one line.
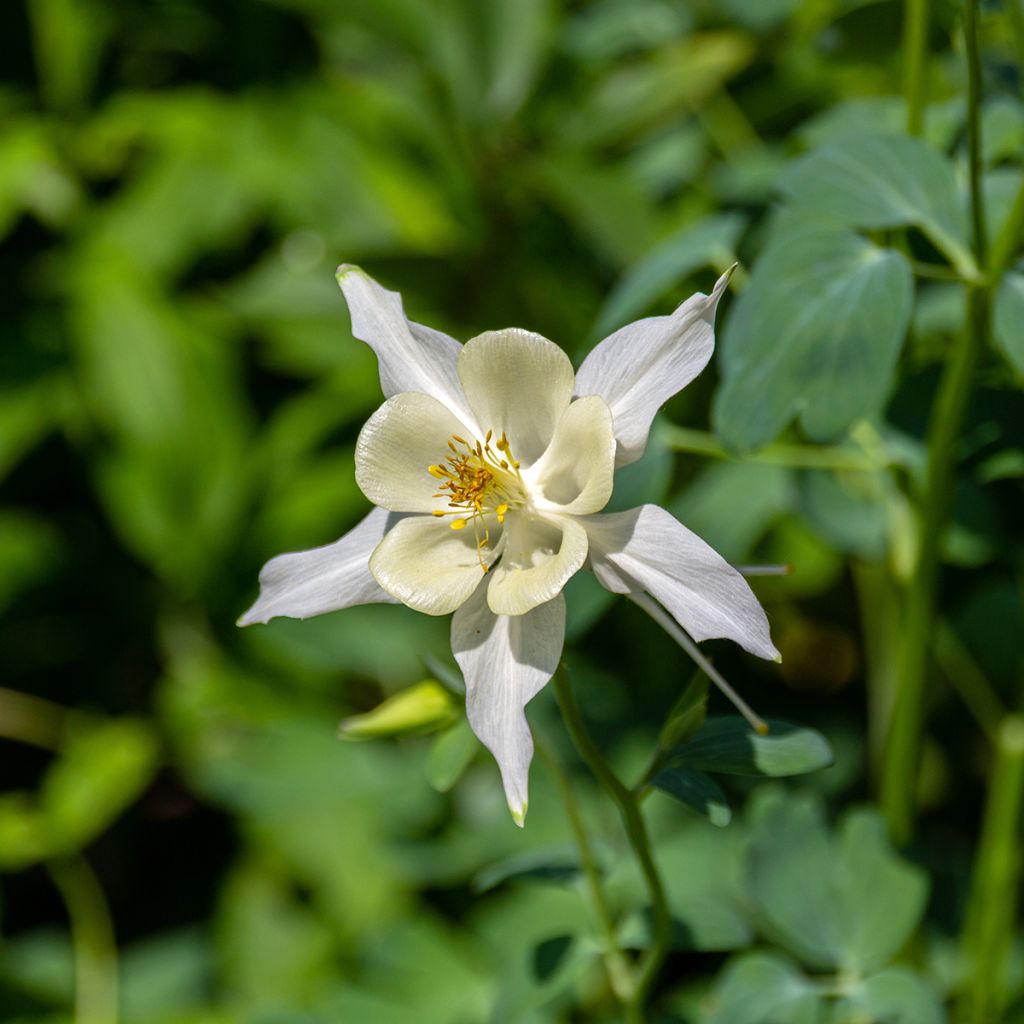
{"points": [[179, 399]]}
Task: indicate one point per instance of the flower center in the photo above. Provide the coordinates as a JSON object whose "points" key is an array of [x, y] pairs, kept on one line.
{"points": [[478, 479]]}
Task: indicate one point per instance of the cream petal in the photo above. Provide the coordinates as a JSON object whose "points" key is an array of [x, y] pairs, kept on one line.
{"points": [[540, 555], [519, 383], [305, 583], [411, 357], [575, 474], [641, 366], [396, 447], [428, 566], [506, 660], [647, 549]]}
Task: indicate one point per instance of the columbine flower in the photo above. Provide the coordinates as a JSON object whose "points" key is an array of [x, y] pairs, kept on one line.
{"points": [[489, 464]]}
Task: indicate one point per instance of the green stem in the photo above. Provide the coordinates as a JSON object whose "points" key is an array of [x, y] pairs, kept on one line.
{"points": [[974, 166], [796, 456], [915, 62], [989, 926], [902, 753], [967, 679], [92, 940], [636, 832], [32, 720], [619, 972], [1015, 9]]}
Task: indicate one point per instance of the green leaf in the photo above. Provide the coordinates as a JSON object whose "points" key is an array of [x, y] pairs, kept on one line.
{"points": [[844, 903], [450, 755], [763, 988], [1008, 320], [102, 772], [699, 792], [23, 838], [549, 955], [895, 996], [424, 707], [732, 505], [710, 242], [883, 181], [730, 746], [816, 334], [558, 866]]}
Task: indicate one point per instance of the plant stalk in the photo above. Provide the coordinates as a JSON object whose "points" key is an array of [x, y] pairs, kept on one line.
{"points": [[903, 744], [92, 941], [636, 832], [989, 925], [915, 63], [620, 974]]}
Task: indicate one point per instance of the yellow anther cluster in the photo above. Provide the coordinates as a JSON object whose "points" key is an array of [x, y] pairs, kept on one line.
{"points": [[479, 478]]}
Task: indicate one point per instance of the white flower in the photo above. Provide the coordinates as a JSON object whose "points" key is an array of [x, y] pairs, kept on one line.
{"points": [[489, 464]]}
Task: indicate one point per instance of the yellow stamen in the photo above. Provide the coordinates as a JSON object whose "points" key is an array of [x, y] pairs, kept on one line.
{"points": [[458, 524]]}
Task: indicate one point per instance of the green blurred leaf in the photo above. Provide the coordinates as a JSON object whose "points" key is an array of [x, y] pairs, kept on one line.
{"points": [[166, 979], [28, 550], [731, 505], [847, 903], [883, 181], [450, 755], [23, 835], [698, 791], [895, 996], [1008, 320], [69, 36], [710, 242], [634, 97], [763, 988], [101, 773], [27, 414], [816, 334], [730, 746], [424, 707]]}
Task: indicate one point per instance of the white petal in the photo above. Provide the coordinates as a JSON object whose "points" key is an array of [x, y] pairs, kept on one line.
{"points": [[647, 549], [429, 566], [540, 555], [411, 357], [325, 579], [506, 660], [519, 383], [396, 447], [575, 474], [641, 366]]}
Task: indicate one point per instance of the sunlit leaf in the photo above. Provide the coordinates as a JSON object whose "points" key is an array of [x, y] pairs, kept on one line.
{"points": [[815, 335], [883, 181], [732, 747]]}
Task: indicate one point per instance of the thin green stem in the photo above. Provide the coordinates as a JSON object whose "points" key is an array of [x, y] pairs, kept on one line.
{"points": [[915, 62], [32, 720], [620, 974], [967, 679], [796, 456], [92, 940], [903, 742], [974, 165], [989, 926], [1015, 9], [636, 832]]}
